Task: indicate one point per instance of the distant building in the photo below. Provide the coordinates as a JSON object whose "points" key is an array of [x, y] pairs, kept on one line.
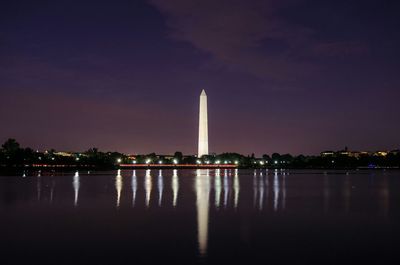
{"points": [[395, 152], [327, 153], [355, 154], [381, 153], [64, 154], [131, 157]]}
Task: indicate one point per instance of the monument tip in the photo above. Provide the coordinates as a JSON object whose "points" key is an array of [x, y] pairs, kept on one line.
{"points": [[203, 92]]}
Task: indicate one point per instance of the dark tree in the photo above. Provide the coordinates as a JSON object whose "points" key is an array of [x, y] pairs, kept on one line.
{"points": [[266, 157], [11, 146], [178, 155], [276, 156], [13, 155]]}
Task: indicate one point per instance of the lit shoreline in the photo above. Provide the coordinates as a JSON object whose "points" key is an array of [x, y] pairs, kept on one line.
{"points": [[178, 166]]}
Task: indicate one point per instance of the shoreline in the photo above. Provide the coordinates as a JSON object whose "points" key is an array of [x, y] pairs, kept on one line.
{"points": [[181, 166]]}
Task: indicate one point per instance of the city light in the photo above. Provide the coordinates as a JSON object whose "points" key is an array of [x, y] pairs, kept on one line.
{"points": [[175, 161], [134, 162], [77, 159], [261, 162], [148, 161], [275, 162], [225, 162], [160, 162], [198, 161], [217, 162], [119, 160], [236, 162]]}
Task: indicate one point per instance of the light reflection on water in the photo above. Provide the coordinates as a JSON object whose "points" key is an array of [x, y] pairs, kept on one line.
{"points": [[236, 187], [160, 187], [148, 185], [118, 186], [225, 189], [175, 187], [76, 184], [202, 188], [213, 192], [38, 186], [217, 188], [134, 187]]}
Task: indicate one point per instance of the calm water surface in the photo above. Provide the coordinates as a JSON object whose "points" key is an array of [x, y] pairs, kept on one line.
{"points": [[200, 216]]}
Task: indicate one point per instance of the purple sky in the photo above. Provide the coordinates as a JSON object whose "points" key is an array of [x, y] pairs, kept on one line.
{"points": [[298, 76]]}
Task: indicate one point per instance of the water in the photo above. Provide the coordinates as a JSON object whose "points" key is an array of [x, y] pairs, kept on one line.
{"points": [[200, 216]]}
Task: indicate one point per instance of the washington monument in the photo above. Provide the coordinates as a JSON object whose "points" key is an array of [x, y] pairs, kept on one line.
{"points": [[203, 125]]}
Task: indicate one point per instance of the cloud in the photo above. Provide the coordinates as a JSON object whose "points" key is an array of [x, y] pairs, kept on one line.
{"points": [[234, 33], [250, 37]]}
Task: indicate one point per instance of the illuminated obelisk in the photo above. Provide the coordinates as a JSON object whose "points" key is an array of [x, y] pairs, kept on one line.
{"points": [[203, 125]]}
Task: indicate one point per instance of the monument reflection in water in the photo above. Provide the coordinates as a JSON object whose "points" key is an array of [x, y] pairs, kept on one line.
{"points": [[203, 185], [219, 215]]}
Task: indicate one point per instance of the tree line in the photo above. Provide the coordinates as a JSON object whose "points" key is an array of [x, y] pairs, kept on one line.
{"points": [[13, 155]]}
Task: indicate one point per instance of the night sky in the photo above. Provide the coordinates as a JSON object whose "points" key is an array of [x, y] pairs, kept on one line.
{"points": [[298, 76]]}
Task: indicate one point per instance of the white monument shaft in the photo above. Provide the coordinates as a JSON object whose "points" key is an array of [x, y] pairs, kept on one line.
{"points": [[203, 125]]}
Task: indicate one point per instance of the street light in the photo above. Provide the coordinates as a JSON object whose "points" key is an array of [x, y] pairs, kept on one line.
{"points": [[119, 160], [175, 161]]}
